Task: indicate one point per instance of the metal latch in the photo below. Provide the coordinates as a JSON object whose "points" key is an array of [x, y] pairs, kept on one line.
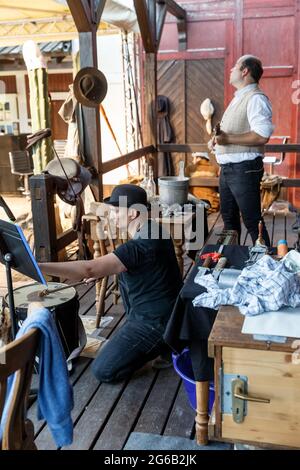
{"points": [[240, 397]]}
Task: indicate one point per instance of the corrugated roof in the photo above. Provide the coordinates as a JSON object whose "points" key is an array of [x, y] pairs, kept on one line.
{"points": [[45, 47]]}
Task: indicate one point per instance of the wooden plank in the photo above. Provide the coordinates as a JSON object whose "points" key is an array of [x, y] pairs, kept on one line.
{"points": [[84, 383], [159, 403], [95, 416], [85, 387], [171, 83], [126, 412], [125, 159], [182, 417], [39, 425], [81, 12], [143, 18], [204, 78]]}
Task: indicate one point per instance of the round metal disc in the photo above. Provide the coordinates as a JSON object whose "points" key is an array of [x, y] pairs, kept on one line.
{"points": [[24, 295]]}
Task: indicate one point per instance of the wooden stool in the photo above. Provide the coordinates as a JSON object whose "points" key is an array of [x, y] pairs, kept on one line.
{"points": [[100, 234]]}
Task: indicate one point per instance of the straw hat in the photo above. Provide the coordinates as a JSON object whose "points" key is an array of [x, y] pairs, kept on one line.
{"points": [[90, 87]]}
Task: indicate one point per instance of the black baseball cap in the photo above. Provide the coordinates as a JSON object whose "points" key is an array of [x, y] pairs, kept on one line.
{"points": [[134, 194]]}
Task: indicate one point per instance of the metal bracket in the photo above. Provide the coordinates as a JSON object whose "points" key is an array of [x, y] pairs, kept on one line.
{"points": [[226, 391]]}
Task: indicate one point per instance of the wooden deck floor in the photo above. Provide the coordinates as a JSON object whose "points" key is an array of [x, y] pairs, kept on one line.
{"points": [[153, 401], [104, 415]]}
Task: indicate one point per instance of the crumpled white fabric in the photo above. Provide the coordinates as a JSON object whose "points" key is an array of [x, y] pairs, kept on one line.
{"points": [[265, 286]]}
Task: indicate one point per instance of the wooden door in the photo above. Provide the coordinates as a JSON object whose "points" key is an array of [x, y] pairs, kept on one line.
{"points": [[187, 83], [270, 374], [58, 125]]}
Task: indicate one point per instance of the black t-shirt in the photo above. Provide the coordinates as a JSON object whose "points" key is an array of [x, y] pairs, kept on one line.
{"points": [[152, 281]]}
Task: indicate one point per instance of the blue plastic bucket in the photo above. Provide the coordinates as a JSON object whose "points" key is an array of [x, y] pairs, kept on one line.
{"points": [[183, 366]]}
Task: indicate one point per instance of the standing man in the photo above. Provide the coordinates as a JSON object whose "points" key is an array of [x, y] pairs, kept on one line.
{"points": [[149, 281], [246, 127]]}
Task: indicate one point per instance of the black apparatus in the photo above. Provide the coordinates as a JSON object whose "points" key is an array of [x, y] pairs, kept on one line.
{"points": [[15, 254]]}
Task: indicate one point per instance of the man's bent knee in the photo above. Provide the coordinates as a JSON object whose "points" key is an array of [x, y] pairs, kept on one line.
{"points": [[102, 372]]}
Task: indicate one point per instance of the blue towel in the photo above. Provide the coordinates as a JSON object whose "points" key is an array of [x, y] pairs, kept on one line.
{"points": [[55, 394]]}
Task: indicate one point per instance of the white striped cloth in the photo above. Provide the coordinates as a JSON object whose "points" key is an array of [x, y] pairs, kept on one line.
{"points": [[265, 286]]}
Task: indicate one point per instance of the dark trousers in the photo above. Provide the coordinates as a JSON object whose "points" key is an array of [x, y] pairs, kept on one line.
{"points": [[240, 193], [134, 344]]}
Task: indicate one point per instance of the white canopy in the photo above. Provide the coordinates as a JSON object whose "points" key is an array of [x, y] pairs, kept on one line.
{"points": [[120, 13], [51, 20]]}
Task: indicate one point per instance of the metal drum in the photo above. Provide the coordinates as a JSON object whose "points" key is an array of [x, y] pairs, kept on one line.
{"points": [[64, 305]]}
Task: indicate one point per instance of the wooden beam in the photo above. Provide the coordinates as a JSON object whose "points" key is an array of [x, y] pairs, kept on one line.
{"points": [[291, 182], [143, 18], [182, 148], [176, 10], [125, 159], [161, 13], [188, 148], [152, 18], [182, 35], [99, 10], [285, 148], [81, 12]]}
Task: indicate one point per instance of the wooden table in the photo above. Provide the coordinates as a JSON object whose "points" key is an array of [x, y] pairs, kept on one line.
{"points": [[270, 371]]}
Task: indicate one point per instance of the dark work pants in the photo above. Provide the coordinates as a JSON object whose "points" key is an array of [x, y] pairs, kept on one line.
{"points": [[240, 193], [134, 344]]}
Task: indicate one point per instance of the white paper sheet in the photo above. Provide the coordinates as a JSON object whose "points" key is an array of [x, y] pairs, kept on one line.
{"points": [[284, 322]]}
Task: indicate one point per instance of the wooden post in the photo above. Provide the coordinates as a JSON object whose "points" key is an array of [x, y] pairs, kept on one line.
{"points": [[43, 215], [87, 16], [91, 116]]}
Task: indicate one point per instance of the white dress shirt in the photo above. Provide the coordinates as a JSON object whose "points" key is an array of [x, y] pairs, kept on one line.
{"points": [[259, 113]]}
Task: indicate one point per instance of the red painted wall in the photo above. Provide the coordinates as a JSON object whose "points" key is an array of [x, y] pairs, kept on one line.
{"points": [[268, 29]]}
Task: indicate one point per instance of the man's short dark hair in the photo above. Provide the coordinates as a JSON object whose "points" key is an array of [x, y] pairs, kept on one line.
{"points": [[254, 66]]}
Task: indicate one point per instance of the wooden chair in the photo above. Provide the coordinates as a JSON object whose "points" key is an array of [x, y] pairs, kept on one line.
{"points": [[21, 164], [104, 243], [18, 356]]}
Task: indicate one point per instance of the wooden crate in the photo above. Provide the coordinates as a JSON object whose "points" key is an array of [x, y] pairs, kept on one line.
{"points": [[270, 372]]}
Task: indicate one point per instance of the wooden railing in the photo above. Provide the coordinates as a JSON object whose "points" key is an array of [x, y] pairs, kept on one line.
{"points": [[43, 189], [48, 243]]}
